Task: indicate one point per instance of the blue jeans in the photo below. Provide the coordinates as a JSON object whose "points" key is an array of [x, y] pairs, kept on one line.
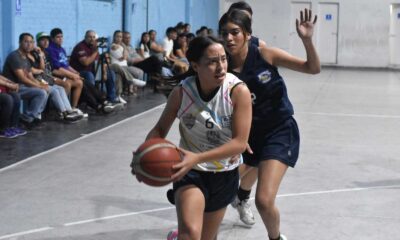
{"points": [[59, 98], [9, 109], [35, 100], [110, 83]]}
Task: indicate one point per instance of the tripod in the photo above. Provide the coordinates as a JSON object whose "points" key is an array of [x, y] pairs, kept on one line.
{"points": [[104, 66]]}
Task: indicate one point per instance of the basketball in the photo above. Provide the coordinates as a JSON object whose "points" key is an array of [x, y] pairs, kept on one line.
{"points": [[153, 160]]}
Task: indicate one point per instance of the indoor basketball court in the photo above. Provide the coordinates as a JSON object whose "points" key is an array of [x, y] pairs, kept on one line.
{"points": [[346, 184]]}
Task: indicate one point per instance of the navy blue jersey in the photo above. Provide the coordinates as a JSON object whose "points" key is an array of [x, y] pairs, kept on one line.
{"points": [[271, 104], [255, 41]]}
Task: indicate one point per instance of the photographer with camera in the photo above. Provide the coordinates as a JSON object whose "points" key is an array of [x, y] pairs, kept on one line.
{"points": [[84, 57]]}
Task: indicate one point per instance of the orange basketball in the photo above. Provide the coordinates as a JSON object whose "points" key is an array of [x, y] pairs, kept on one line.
{"points": [[153, 161]]}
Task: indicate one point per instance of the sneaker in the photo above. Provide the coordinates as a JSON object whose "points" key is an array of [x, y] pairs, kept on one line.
{"points": [[19, 131], [72, 117], [121, 100], [244, 210], [118, 105], [8, 133], [283, 237], [79, 112], [173, 235], [107, 107], [138, 82]]}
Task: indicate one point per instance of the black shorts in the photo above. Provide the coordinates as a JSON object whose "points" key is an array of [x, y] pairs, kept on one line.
{"points": [[280, 143], [219, 188]]}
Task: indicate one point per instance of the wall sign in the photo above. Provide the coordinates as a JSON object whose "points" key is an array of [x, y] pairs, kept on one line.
{"points": [[328, 17]]}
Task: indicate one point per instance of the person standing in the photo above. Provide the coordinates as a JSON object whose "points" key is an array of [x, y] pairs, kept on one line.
{"points": [[274, 138], [214, 109]]}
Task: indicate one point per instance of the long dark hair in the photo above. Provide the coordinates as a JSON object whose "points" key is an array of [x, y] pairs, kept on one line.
{"points": [[236, 17], [244, 6]]}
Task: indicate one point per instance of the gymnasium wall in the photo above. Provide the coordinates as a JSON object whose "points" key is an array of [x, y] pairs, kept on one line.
{"points": [[362, 30], [74, 17]]}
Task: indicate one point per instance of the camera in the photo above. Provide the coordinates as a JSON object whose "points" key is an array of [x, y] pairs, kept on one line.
{"points": [[102, 42]]}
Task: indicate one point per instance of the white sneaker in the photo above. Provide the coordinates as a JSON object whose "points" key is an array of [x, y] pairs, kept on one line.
{"points": [[80, 113], [121, 100], [244, 210], [138, 82], [283, 237]]}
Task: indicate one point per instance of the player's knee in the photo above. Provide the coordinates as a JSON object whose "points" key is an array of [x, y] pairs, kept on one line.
{"points": [[190, 233], [265, 202]]}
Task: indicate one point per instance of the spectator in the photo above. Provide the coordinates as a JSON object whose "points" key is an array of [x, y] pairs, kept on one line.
{"points": [[59, 63], [178, 66], [181, 47], [144, 49], [61, 67], [119, 56], [150, 65], [9, 109], [180, 28], [83, 59], [57, 94], [155, 48], [187, 28], [18, 69], [203, 31]]}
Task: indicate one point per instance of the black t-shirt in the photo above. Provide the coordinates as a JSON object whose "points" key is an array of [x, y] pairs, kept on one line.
{"points": [[13, 62]]}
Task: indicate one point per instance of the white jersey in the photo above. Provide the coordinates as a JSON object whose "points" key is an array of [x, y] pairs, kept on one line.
{"points": [[207, 125]]}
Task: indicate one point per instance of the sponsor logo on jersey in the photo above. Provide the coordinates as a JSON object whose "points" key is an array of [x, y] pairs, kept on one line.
{"points": [[213, 137], [226, 121], [189, 120], [265, 76]]}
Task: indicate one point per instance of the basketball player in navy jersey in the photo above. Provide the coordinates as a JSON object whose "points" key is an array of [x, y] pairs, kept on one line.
{"points": [[274, 137]]}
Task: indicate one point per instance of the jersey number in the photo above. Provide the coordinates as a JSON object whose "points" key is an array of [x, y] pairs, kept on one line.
{"points": [[209, 123]]}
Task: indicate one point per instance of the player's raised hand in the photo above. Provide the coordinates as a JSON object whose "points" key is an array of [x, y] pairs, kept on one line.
{"points": [[305, 27]]}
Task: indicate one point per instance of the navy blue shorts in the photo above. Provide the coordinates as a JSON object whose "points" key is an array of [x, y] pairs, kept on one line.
{"points": [[219, 188], [280, 143]]}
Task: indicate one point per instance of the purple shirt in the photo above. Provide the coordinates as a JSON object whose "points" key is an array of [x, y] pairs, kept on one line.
{"points": [[57, 56]]}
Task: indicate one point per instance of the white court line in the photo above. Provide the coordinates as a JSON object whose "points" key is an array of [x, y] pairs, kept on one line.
{"points": [[350, 115], [169, 208], [80, 138]]}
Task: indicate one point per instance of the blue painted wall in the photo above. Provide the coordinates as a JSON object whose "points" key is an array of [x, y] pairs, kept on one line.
{"points": [[74, 17]]}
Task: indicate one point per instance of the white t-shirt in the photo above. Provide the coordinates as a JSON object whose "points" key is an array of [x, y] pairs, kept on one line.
{"points": [[207, 125], [168, 45], [117, 54]]}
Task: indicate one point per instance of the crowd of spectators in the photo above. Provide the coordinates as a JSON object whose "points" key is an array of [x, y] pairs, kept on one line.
{"points": [[39, 79]]}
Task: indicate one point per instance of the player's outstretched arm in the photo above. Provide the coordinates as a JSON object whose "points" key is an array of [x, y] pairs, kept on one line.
{"points": [[305, 30]]}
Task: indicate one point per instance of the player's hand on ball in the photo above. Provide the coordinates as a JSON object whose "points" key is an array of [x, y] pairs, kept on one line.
{"points": [[189, 159]]}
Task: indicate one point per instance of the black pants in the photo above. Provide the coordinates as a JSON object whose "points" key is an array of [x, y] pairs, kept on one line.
{"points": [[9, 109], [150, 65], [92, 96]]}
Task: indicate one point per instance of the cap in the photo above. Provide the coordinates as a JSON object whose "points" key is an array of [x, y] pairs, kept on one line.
{"points": [[42, 35]]}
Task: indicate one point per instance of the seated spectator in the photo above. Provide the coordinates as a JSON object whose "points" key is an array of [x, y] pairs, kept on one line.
{"points": [[181, 47], [57, 95], [155, 48], [150, 65], [83, 59], [18, 69], [119, 56], [59, 62], [178, 66], [187, 28], [144, 49], [9, 109], [203, 31], [180, 28]]}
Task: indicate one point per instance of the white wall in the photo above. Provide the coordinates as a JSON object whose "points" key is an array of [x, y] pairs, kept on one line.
{"points": [[363, 30]]}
